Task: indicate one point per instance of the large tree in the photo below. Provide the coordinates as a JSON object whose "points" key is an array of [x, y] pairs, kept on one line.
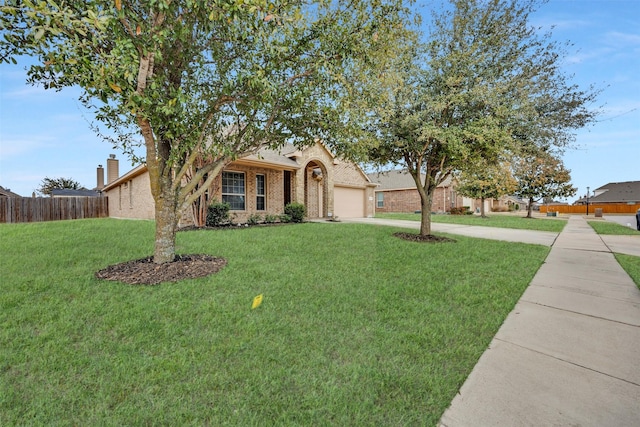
{"points": [[49, 184], [486, 84], [204, 82], [541, 174], [486, 181]]}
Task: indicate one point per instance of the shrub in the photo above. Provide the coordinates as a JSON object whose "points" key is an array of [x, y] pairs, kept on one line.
{"points": [[218, 214], [254, 219], [460, 211], [296, 211], [270, 218], [285, 218]]}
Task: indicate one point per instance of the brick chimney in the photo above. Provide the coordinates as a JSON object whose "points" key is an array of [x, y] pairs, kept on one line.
{"points": [[112, 168], [100, 177]]}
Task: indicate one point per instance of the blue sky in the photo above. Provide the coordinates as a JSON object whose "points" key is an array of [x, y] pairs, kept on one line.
{"points": [[47, 134]]}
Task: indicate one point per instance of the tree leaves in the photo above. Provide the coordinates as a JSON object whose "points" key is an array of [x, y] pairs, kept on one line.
{"points": [[182, 74], [484, 86], [49, 184]]}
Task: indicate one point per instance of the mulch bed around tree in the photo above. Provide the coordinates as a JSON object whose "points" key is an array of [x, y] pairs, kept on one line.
{"points": [[145, 272], [429, 238]]}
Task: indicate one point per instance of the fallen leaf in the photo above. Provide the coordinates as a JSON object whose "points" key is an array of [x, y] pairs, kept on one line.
{"points": [[256, 302]]}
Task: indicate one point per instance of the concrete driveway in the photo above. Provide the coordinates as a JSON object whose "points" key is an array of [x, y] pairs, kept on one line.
{"points": [[626, 220]]}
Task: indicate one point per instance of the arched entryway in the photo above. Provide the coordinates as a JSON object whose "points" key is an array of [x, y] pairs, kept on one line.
{"points": [[316, 193]]}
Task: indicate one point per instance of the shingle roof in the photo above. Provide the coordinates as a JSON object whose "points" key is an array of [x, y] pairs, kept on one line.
{"points": [[622, 192], [398, 180], [5, 192], [68, 192], [277, 157]]}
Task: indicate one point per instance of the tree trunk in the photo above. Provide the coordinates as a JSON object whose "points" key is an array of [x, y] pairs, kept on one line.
{"points": [[529, 208], [425, 220], [166, 225], [482, 215]]}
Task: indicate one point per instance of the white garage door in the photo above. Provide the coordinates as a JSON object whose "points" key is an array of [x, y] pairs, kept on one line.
{"points": [[348, 202]]}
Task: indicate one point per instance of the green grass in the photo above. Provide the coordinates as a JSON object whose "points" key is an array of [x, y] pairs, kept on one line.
{"points": [[356, 327], [630, 264], [606, 227], [501, 221]]}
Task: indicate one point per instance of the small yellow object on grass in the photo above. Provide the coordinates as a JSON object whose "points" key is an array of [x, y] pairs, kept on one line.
{"points": [[256, 302]]}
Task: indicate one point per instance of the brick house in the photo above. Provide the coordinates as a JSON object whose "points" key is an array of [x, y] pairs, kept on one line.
{"points": [[396, 192], [259, 184]]}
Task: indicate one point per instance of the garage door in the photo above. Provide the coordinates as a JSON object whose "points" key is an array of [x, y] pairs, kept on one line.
{"points": [[348, 202]]}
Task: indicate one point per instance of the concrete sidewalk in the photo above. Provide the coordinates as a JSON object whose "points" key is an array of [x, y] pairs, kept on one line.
{"points": [[545, 238], [569, 353], [629, 245]]}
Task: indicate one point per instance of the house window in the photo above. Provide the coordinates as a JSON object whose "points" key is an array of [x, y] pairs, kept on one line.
{"points": [[260, 193], [233, 190], [130, 194], [380, 199]]}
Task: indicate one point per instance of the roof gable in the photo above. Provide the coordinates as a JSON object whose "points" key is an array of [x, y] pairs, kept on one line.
{"points": [[624, 192], [399, 180]]}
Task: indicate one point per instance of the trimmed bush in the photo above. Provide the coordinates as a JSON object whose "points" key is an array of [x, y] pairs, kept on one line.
{"points": [[296, 211], [270, 218], [218, 214], [460, 211], [284, 218], [254, 219]]}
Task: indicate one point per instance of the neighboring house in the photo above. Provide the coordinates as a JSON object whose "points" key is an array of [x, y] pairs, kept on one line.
{"points": [[259, 184], [5, 192], [397, 192], [612, 198], [510, 203], [614, 193]]}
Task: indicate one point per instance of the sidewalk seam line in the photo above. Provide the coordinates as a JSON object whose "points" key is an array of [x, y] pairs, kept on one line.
{"points": [[567, 361], [579, 313], [574, 290]]}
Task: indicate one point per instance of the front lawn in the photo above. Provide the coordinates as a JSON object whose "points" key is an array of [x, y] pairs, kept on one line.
{"points": [[502, 221], [607, 227], [630, 264], [356, 327]]}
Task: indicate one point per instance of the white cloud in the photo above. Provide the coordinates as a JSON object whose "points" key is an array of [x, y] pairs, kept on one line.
{"points": [[20, 146], [20, 92], [626, 39]]}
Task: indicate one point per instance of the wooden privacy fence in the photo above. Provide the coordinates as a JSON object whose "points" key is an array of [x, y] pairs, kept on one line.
{"points": [[607, 208], [31, 209]]}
